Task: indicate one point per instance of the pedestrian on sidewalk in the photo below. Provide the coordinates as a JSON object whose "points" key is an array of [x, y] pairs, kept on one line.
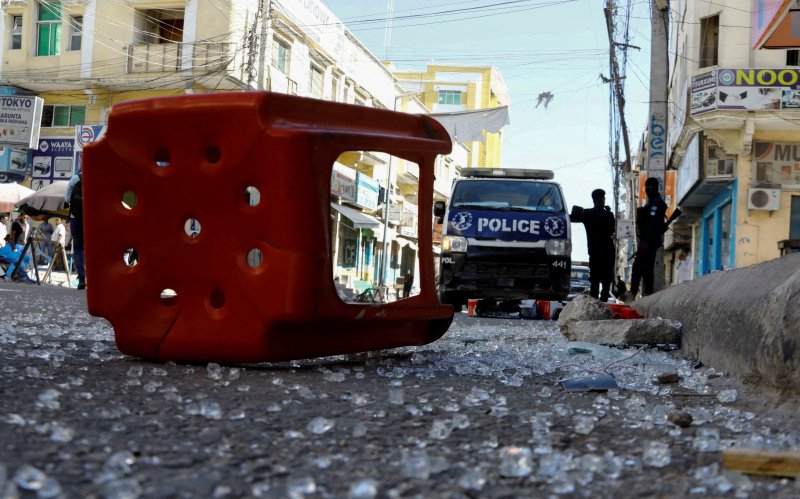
{"points": [[651, 223], [684, 267], [3, 229], [45, 249], [74, 196], [408, 281], [59, 238], [19, 230]]}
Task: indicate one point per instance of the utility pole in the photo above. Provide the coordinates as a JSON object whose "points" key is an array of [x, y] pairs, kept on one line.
{"points": [[616, 81], [656, 150], [265, 12], [620, 171]]}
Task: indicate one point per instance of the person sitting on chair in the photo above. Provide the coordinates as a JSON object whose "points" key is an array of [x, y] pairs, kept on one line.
{"points": [[10, 256]]}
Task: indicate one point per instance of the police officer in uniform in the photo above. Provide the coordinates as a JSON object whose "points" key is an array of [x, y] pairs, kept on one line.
{"points": [[651, 223], [600, 228]]}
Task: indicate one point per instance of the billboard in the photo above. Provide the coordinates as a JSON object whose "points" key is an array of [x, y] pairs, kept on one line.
{"points": [[747, 89], [52, 161], [343, 182], [704, 93], [367, 190], [85, 135], [777, 163], [20, 119]]}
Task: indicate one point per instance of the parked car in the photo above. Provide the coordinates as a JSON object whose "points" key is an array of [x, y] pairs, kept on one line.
{"points": [[579, 281]]}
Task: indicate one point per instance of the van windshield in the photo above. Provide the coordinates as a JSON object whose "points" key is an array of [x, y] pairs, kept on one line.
{"points": [[512, 195]]}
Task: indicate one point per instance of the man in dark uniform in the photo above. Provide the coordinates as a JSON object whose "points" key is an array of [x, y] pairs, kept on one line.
{"points": [[651, 223], [600, 227], [74, 198]]}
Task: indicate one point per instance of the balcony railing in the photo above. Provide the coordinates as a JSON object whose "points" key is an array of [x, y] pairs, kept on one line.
{"points": [[167, 57]]}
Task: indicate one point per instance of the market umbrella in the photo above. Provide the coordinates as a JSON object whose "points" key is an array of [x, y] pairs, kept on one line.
{"points": [[49, 200], [11, 194]]}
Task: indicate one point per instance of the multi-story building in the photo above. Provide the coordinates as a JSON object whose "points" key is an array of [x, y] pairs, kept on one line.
{"points": [[733, 136], [462, 88], [83, 56]]}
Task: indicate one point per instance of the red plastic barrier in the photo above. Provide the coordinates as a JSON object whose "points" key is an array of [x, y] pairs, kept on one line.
{"points": [[472, 305], [193, 157], [623, 312]]}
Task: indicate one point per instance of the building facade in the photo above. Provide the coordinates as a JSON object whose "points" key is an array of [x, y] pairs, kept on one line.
{"points": [[444, 88], [733, 134], [83, 56]]}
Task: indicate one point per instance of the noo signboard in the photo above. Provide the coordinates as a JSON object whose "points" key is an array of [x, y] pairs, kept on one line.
{"points": [[749, 89], [20, 119]]}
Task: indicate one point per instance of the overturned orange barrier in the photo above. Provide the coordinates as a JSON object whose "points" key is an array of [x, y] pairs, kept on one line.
{"points": [[187, 167]]}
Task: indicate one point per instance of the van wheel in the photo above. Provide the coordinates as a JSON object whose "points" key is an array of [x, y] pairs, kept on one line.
{"points": [[446, 299]]}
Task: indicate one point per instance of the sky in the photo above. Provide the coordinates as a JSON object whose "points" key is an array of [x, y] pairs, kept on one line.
{"points": [[556, 46]]}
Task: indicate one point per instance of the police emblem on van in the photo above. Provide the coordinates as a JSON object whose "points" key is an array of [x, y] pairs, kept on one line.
{"points": [[555, 226], [461, 220]]}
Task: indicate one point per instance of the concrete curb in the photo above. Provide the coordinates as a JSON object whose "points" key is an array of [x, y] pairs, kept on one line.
{"points": [[744, 321]]}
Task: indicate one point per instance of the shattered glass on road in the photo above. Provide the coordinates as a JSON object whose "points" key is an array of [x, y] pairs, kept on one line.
{"points": [[480, 413]]}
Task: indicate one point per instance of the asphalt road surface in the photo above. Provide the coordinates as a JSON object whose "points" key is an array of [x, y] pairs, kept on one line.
{"points": [[480, 413]]}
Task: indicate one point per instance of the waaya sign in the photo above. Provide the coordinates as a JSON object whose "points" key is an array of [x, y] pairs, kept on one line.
{"points": [[20, 118]]}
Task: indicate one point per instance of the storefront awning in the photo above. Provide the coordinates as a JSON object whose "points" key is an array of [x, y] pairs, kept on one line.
{"points": [[360, 220], [405, 242]]}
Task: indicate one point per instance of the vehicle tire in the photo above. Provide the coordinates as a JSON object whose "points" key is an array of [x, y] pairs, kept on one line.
{"points": [[447, 299]]}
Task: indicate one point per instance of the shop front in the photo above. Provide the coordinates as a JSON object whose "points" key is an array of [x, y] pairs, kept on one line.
{"points": [[717, 250], [353, 232]]}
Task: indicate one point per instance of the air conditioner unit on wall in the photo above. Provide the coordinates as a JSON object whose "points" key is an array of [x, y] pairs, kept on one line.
{"points": [[759, 198]]}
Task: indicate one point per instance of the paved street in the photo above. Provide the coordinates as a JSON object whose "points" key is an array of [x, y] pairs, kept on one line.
{"points": [[480, 413]]}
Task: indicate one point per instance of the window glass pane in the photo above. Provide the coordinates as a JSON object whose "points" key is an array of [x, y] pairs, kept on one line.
{"points": [[61, 116], [725, 237], [77, 115], [449, 97], [280, 53], [16, 33], [75, 34], [507, 195], [55, 41], [49, 39], [49, 11], [794, 224], [170, 31], [792, 58], [316, 83], [708, 229], [47, 116], [44, 40], [709, 41]]}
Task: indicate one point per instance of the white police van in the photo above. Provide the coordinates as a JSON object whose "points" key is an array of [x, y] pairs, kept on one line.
{"points": [[505, 235]]}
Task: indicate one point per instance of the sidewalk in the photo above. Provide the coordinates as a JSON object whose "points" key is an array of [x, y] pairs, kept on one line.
{"points": [[55, 278], [744, 321]]}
